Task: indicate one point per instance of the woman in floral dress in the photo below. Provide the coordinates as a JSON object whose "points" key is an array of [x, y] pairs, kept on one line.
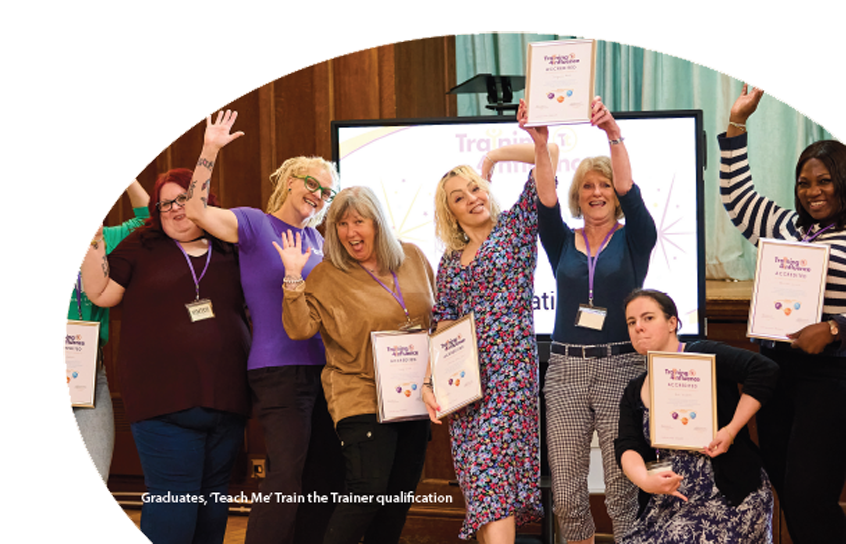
{"points": [[488, 268]]}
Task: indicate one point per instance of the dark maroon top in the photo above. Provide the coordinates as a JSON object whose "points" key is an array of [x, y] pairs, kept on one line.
{"points": [[168, 363]]}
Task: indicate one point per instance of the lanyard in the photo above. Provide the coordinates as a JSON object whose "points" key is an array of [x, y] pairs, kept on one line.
{"points": [[191, 266], [809, 237], [679, 350], [397, 296], [78, 288], [592, 260]]}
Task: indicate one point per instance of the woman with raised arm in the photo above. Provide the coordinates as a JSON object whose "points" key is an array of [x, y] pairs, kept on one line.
{"points": [[802, 433], [369, 281], [488, 269], [184, 341], [97, 424], [722, 493], [284, 374], [592, 360]]}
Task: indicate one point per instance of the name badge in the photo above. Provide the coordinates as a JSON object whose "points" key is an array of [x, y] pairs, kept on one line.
{"points": [[200, 310], [591, 317]]}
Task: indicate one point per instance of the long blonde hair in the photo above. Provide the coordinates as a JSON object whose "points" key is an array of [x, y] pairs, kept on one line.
{"points": [[447, 228], [363, 200], [299, 166]]}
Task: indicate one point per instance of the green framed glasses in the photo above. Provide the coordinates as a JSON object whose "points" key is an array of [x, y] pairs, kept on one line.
{"points": [[326, 194]]}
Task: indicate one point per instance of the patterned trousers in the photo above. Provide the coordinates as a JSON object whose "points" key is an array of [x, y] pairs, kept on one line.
{"points": [[583, 396]]}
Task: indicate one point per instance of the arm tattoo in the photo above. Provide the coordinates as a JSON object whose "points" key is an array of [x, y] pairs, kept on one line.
{"points": [[205, 184], [105, 266], [191, 189], [205, 202], [208, 164]]}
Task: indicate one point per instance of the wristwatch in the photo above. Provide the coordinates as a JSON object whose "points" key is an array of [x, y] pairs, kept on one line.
{"points": [[835, 330]]}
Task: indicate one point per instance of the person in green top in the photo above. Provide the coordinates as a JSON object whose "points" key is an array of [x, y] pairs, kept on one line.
{"points": [[97, 425]]}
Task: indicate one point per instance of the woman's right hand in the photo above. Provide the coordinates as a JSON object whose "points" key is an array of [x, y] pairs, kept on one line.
{"points": [[745, 105], [291, 253], [217, 133], [664, 483], [431, 404]]}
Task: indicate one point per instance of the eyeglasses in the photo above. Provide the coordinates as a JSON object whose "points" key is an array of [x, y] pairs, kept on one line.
{"points": [[166, 205], [312, 185]]}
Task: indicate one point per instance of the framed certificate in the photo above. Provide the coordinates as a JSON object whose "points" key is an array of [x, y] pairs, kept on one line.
{"points": [[81, 360], [682, 400], [399, 361], [454, 358], [560, 82], [789, 288]]}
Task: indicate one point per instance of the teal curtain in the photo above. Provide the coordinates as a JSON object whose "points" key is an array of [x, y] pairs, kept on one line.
{"points": [[635, 79]]}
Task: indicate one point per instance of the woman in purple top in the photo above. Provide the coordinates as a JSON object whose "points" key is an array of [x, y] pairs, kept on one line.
{"points": [[303, 453]]}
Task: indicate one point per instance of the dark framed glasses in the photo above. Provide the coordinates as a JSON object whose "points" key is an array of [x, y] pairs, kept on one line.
{"points": [[167, 205], [312, 185]]}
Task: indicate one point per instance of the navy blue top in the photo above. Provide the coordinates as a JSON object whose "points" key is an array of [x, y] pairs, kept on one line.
{"points": [[621, 268]]}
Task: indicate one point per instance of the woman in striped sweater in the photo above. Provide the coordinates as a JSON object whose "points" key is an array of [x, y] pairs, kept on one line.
{"points": [[802, 431]]}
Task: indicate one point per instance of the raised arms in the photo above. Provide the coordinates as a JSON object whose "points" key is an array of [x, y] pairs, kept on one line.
{"points": [[219, 222]]}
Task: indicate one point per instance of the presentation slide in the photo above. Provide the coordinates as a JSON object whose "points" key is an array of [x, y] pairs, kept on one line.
{"points": [[402, 161]]}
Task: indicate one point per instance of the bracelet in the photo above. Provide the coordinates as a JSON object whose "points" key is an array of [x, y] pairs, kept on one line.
{"points": [[428, 382], [741, 126], [615, 142], [490, 159], [292, 280]]}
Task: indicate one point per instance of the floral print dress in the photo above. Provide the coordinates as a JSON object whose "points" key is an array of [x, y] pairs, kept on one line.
{"points": [[706, 517], [495, 441]]}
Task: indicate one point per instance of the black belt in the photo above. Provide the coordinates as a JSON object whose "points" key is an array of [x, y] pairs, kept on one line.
{"points": [[591, 352]]}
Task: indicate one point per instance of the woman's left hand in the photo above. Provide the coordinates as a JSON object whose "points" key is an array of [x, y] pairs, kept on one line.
{"points": [[813, 338], [601, 117], [291, 253], [720, 444], [219, 133]]}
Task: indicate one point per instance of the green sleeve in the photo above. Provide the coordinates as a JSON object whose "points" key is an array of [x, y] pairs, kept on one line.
{"points": [[114, 235]]}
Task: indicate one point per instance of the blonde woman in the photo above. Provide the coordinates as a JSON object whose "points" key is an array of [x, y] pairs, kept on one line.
{"points": [[284, 374], [488, 269]]}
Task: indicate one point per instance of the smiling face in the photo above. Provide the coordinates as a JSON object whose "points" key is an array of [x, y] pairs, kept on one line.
{"points": [[301, 203], [174, 222], [597, 199], [468, 202], [649, 328], [358, 236], [816, 192]]}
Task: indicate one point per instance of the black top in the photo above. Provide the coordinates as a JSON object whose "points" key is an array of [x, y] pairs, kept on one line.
{"points": [[737, 472]]}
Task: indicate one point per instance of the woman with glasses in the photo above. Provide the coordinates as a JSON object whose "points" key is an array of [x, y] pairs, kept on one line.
{"points": [[303, 455], [184, 341]]}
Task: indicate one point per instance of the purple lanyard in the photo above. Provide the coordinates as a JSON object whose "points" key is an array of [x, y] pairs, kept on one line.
{"points": [[78, 288], [679, 350], [809, 237], [592, 261], [397, 296], [191, 266]]}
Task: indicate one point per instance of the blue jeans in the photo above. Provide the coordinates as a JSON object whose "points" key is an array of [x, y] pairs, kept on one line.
{"points": [[97, 426], [187, 457]]}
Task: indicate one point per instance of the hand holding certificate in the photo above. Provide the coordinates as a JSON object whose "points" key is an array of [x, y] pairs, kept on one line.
{"points": [[399, 361], [454, 360]]}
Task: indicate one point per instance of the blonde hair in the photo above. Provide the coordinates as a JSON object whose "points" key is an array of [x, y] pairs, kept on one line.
{"points": [[299, 166], [363, 200], [601, 165], [447, 228]]}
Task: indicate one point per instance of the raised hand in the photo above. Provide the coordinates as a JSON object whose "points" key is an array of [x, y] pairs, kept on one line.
{"points": [[218, 133], [291, 253], [746, 104], [538, 134], [602, 118]]}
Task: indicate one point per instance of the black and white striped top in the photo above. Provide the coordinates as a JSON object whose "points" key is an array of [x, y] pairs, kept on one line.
{"points": [[759, 217]]}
